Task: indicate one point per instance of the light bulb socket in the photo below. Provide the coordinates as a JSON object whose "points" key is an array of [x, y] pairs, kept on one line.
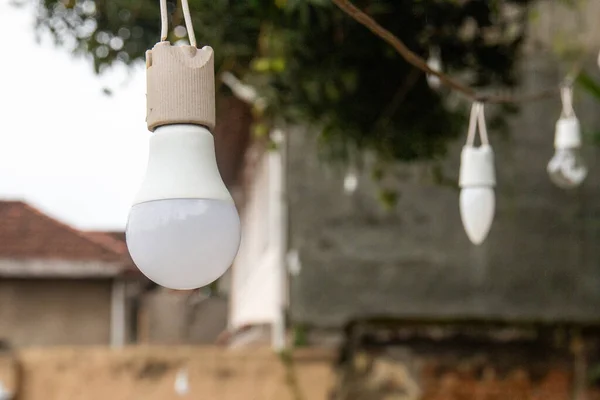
{"points": [[180, 86], [477, 167], [568, 133]]}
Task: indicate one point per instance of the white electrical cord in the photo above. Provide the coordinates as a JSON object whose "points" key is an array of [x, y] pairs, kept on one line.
{"points": [[164, 19], [188, 22], [483, 135]]}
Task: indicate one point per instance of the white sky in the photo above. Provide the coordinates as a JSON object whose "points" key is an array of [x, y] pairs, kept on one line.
{"points": [[65, 146]]}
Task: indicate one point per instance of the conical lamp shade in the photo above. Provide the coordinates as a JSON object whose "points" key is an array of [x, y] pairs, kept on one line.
{"points": [[477, 206]]}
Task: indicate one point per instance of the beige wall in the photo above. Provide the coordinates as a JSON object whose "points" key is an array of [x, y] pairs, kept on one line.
{"points": [[54, 312], [175, 317], [149, 373]]}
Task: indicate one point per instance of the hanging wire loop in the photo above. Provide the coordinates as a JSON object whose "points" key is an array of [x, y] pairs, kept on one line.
{"points": [[566, 97], [477, 122], [164, 21]]}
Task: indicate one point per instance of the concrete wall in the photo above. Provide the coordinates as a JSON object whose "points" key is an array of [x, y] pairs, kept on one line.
{"points": [[539, 263], [49, 312], [555, 21]]}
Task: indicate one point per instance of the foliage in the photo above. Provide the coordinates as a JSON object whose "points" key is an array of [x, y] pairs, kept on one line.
{"points": [[591, 87], [316, 66], [589, 84]]}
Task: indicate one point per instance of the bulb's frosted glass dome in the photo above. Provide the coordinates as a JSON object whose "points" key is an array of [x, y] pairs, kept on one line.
{"points": [[183, 243], [477, 205], [567, 169]]}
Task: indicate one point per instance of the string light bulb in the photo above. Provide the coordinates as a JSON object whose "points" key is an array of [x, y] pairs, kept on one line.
{"points": [[477, 180], [350, 181], [567, 168], [182, 384], [435, 63], [183, 230]]}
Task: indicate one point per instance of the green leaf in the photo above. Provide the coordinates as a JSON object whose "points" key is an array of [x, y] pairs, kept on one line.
{"points": [[589, 84], [332, 91], [260, 130], [320, 3], [278, 64], [350, 80], [261, 64], [388, 198]]}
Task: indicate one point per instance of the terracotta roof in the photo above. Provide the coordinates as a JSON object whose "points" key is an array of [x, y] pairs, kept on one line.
{"points": [[116, 239], [118, 235], [28, 233], [111, 240]]}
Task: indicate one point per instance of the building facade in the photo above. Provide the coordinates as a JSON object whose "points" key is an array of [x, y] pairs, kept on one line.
{"points": [[61, 286]]}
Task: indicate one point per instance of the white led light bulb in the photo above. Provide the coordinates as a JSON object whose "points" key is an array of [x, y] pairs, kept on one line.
{"points": [[350, 182], [435, 63], [477, 198], [567, 168], [183, 230], [182, 383]]}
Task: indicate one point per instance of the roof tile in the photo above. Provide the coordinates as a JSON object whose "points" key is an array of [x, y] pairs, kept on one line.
{"points": [[27, 233]]}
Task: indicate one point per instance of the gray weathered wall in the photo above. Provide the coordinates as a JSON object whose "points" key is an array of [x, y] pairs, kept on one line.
{"points": [[540, 261], [49, 312]]}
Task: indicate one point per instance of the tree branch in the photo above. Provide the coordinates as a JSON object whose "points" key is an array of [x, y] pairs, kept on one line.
{"points": [[361, 17]]}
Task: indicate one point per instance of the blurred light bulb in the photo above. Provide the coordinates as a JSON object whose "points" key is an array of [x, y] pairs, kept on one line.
{"points": [[566, 168], [5, 394], [477, 198], [435, 63], [293, 261], [350, 182], [182, 384], [183, 230], [477, 206]]}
